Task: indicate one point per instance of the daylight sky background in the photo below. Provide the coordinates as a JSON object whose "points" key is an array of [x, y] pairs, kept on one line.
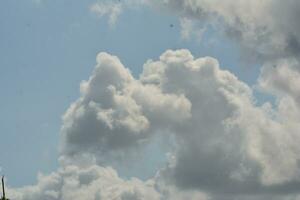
{"points": [[174, 118]]}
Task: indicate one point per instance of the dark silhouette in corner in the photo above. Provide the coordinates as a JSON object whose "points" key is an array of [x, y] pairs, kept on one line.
{"points": [[3, 190]]}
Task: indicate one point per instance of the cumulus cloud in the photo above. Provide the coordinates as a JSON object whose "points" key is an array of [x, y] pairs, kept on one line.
{"points": [[224, 145], [90, 183], [224, 142], [97, 183], [228, 145], [117, 112]]}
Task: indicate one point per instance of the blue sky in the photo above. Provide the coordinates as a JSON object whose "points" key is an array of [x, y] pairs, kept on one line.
{"points": [[47, 48]]}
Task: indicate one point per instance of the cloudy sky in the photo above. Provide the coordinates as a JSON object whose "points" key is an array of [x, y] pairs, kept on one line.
{"points": [[150, 99]]}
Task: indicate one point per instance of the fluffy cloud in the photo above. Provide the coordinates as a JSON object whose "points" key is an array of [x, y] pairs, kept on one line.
{"points": [[117, 112], [224, 143], [97, 183], [91, 183], [229, 144], [224, 146]]}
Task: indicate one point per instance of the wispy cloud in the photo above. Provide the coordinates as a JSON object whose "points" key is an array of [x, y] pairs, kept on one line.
{"points": [[263, 29], [113, 9], [108, 8], [191, 30]]}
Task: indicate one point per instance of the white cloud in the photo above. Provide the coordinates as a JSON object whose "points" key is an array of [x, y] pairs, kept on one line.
{"points": [[224, 141], [91, 183], [117, 112], [224, 146]]}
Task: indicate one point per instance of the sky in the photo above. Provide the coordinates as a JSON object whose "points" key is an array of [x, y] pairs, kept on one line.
{"points": [[171, 99]]}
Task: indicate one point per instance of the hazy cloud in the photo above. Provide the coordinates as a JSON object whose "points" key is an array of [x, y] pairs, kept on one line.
{"points": [[190, 29], [112, 9], [263, 29], [107, 8]]}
